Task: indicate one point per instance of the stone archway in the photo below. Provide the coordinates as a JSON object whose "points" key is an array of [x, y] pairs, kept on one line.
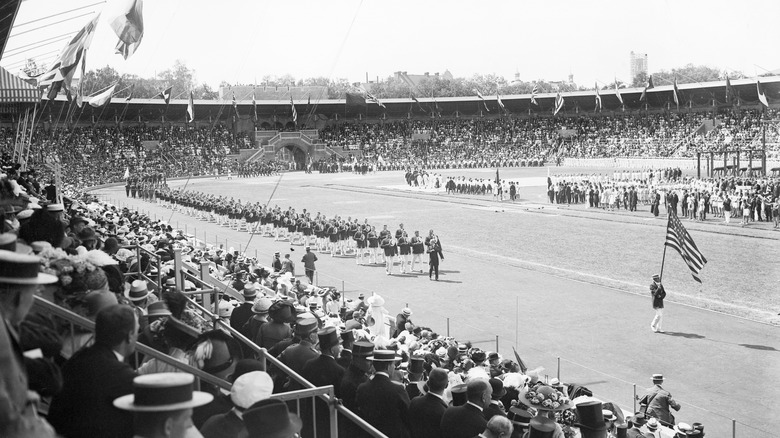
{"points": [[294, 151]]}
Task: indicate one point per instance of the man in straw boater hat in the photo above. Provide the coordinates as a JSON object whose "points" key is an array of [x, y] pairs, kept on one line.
{"points": [[243, 312], [19, 278], [162, 404], [380, 401], [659, 400]]}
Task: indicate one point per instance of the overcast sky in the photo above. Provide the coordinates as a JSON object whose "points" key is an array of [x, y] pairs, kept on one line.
{"points": [[242, 41]]}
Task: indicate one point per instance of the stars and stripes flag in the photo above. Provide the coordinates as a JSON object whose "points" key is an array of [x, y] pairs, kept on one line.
{"points": [[617, 91], [191, 108], [534, 92], [483, 100], [675, 92], [294, 112], [678, 238], [649, 86], [761, 94], [598, 98], [558, 103], [498, 99]]}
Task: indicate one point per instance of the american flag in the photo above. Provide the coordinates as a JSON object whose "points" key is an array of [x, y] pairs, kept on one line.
{"points": [[558, 103], [598, 99], [533, 95], [677, 237], [294, 112]]}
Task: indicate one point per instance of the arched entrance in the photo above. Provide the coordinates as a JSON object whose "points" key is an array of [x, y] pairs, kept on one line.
{"points": [[292, 154]]}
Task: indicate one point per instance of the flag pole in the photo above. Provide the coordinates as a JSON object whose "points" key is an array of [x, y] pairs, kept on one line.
{"points": [[663, 258]]}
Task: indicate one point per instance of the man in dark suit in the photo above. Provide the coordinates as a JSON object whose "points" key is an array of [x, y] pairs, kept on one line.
{"points": [[97, 375], [355, 374], [242, 313], [383, 403], [467, 421], [322, 371], [495, 407], [426, 411], [435, 253]]}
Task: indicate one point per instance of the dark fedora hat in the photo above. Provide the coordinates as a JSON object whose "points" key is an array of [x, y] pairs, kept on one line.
{"points": [[271, 419], [498, 388]]}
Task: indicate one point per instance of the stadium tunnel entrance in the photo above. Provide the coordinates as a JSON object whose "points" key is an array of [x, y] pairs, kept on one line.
{"points": [[292, 153]]}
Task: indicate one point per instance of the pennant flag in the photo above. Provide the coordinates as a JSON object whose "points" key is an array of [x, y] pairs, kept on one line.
{"points": [[483, 100], [235, 105], [729, 91], [355, 99], [534, 92], [598, 98], [129, 27], [558, 103], [102, 98], [64, 66], [678, 238], [294, 112], [761, 94], [190, 108], [498, 99], [130, 96], [617, 92], [254, 106], [649, 86], [520, 362], [373, 98], [675, 92], [166, 94]]}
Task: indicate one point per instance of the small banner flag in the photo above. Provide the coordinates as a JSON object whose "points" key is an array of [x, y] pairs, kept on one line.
{"points": [[558, 103], [294, 112], [675, 93], [191, 108], [761, 94], [166, 94], [598, 98], [534, 92], [102, 98], [617, 91], [649, 86], [129, 27]]}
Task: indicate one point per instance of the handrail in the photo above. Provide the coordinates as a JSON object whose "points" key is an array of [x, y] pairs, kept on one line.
{"points": [[141, 348]]}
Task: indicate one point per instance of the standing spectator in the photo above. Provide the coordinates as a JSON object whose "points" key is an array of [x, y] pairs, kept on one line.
{"points": [[435, 254], [243, 312], [19, 279], [95, 376], [288, 265], [308, 264], [426, 411], [467, 421], [382, 403], [659, 400]]}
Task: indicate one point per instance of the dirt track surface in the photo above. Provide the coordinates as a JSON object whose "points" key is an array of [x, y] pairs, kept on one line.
{"points": [[556, 282]]}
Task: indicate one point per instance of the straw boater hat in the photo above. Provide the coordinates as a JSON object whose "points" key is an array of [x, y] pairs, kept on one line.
{"points": [[138, 291], [22, 269], [162, 392], [384, 356], [249, 292]]}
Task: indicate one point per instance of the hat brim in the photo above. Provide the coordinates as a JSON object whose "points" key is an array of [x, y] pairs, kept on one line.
{"points": [[526, 402], [127, 295], [199, 398], [42, 278], [371, 358]]}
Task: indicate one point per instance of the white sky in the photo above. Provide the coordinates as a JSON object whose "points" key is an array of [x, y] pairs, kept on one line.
{"points": [[241, 41]]}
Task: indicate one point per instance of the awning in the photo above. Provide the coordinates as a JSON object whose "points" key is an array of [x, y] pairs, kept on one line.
{"points": [[15, 90]]}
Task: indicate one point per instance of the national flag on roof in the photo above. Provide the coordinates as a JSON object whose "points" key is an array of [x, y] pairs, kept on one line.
{"points": [[254, 106], [191, 108], [130, 96], [534, 92], [617, 91], [294, 112], [678, 238], [649, 86], [129, 27], [483, 100], [373, 98], [498, 99], [102, 98], [729, 91], [166, 94], [761, 94], [235, 105], [675, 93], [355, 99], [598, 98], [558, 103]]}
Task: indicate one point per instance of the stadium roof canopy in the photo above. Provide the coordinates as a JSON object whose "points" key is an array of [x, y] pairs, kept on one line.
{"points": [[8, 10], [696, 95]]}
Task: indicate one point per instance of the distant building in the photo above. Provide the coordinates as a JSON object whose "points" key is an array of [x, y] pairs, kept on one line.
{"points": [[638, 63], [414, 80], [273, 92]]}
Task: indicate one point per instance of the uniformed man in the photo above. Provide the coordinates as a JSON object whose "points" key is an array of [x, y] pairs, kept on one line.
{"points": [[658, 293], [659, 400], [296, 356]]}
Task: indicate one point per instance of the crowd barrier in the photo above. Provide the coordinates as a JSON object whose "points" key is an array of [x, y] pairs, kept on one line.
{"points": [[655, 163], [566, 369]]}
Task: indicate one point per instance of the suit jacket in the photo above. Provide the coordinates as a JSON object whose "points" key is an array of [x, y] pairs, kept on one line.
{"points": [[353, 377], [463, 421], [226, 425], [492, 410], [385, 406], [425, 413], [659, 402], [322, 371], [241, 315], [93, 377]]}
